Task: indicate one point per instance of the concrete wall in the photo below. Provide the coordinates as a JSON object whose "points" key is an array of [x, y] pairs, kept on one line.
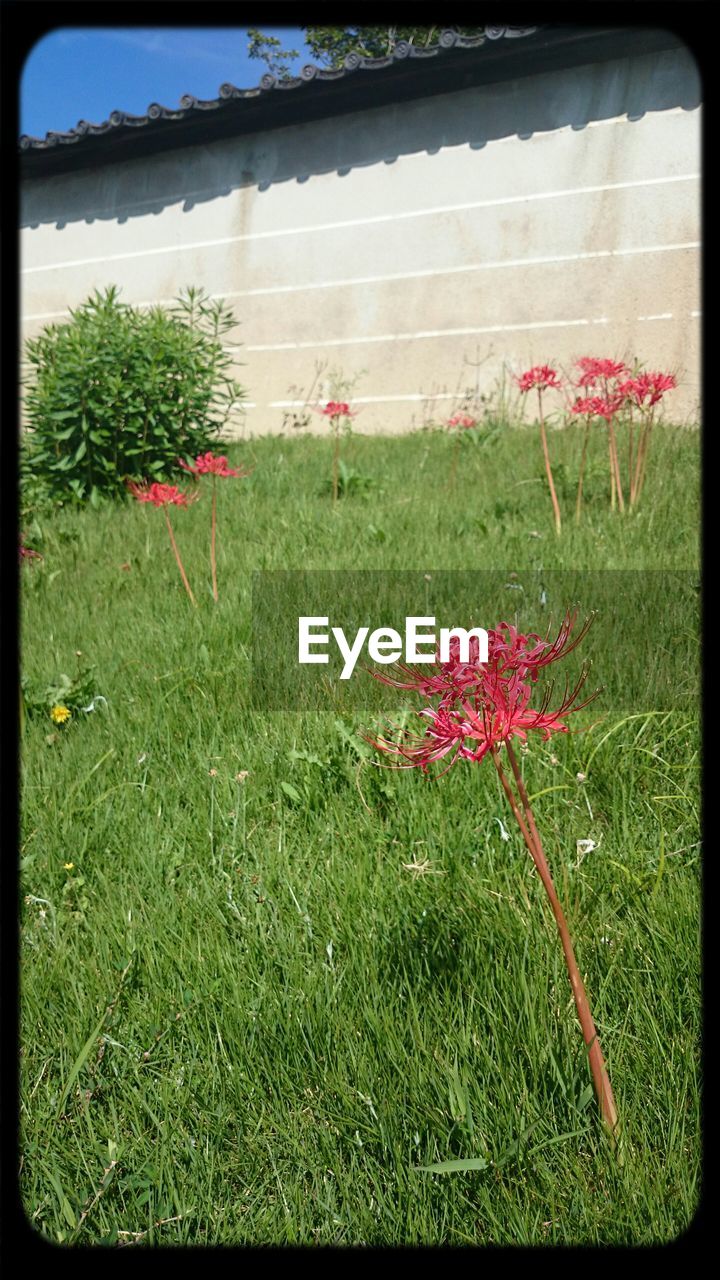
{"points": [[436, 244]]}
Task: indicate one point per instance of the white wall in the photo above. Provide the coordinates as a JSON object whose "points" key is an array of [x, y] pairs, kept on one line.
{"points": [[536, 220]]}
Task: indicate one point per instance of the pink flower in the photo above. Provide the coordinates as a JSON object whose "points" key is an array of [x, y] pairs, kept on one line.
{"points": [[482, 705], [167, 495], [478, 721], [540, 376], [463, 420], [599, 406], [510, 652], [207, 464], [335, 409], [595, 370], [659, 383], [27, 553], [161, 495], [635, 390]]}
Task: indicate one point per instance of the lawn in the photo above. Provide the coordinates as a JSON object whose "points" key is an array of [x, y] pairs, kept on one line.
{"points": [[263, 983]]}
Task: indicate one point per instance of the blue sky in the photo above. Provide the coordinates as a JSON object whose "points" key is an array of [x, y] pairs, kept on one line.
{"points": [[85, 73]]}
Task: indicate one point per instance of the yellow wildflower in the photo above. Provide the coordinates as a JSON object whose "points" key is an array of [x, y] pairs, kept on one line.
{"points": [[68, 865], [60, 714]]}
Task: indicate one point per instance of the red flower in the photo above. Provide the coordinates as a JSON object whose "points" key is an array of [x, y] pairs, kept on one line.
{"points": [[471, 724], [659, 383], [482, 705], [635, 390], [510, 652], [335, 409], [27, 553], [595, 370], [207, 464], [463, 420], [161, 495], [599, 406], [540, 376]]}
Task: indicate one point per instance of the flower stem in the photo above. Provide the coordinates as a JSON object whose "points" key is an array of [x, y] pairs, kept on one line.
{"points": [[173, 543], [638, 462], [630, 459], [531, 837], [548, 469], [615, 463], [336, 460], [454, 465], [612, 472], [578, 503], [642, 457], [213, 523]]}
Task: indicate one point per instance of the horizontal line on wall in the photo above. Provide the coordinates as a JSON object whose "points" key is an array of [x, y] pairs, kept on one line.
{"points": [[500, 264], [584, 322], [363, 222], [439, 395], [666, 315], [352, 282]]}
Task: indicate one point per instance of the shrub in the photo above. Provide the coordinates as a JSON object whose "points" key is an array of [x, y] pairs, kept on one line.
{"points": [[119, 394]]}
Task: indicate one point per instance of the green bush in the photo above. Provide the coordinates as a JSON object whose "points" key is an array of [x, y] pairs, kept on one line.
{"points": [[116, 393]]}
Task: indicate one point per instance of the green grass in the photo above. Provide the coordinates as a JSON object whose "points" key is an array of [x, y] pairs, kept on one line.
{"points": [[240, 995]]}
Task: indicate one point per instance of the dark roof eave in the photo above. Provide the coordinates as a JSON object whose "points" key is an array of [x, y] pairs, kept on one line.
{"points": [[365, 88]]}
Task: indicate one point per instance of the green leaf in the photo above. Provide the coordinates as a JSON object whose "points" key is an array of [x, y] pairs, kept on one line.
{"points": [[454, 1166], [78, 1065], [68, 1214], [65, 1206], [291, 791]]}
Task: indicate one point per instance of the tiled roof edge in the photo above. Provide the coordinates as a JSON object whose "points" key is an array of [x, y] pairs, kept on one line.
{"points": [[189, 105]]}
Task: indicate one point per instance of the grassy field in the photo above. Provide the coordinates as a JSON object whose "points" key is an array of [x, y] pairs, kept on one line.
{"points": [[264, 983]]}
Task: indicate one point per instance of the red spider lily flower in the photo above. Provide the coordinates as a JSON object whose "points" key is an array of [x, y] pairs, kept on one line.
{"points": [[511, 654], [474, 720], [540, 376], [471, 723], [439, 679], [634, 391], [207, 464], [161, 495], [596, 370], [27, 553], [527, 654], [463, 420], [647, 386], [659, 383], [644, 392], [164, 496], [335, 409], [599, 406]]}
